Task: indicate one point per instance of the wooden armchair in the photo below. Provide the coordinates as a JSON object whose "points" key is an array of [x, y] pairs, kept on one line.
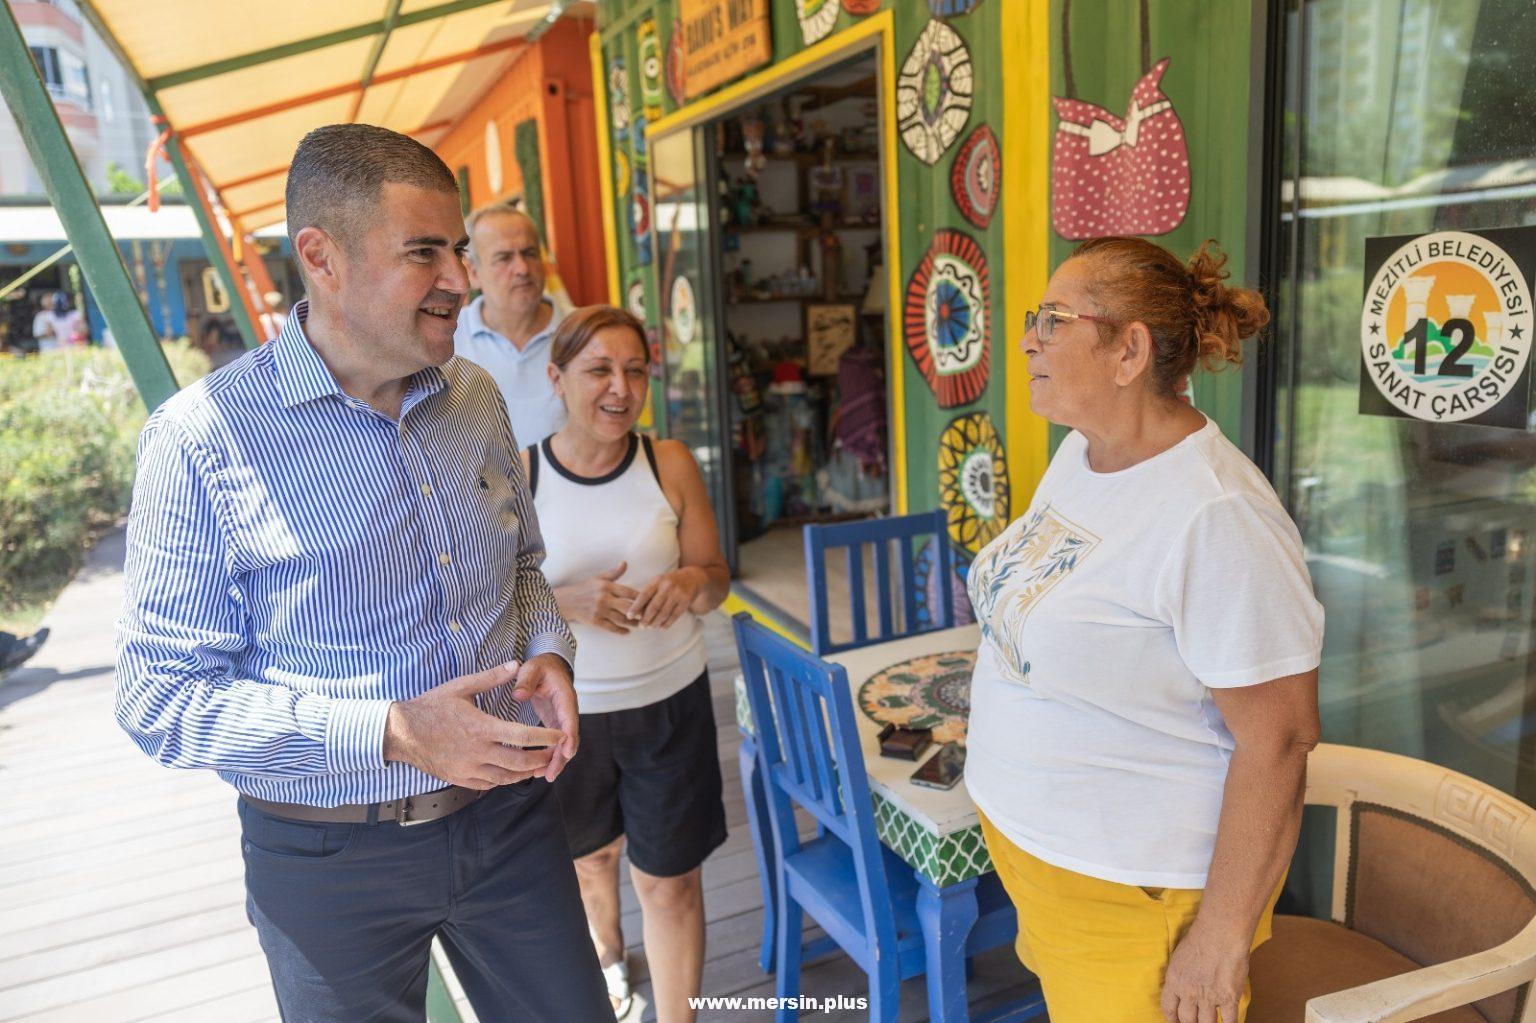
{"points": [[1434, 902]]}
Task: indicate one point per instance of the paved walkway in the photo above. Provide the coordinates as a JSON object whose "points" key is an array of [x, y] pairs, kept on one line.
{"points": [[121, 881]]}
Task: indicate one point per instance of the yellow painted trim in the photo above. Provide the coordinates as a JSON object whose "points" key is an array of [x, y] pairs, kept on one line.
{"points": [[1027, 229], [829, 50], [890, 225], [736, 603], [605, 169]]}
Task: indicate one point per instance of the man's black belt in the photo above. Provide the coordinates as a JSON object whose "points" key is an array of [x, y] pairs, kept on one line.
{"points": [[429, 806]]}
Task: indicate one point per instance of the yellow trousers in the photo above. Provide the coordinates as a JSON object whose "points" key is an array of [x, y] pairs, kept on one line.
{"points": [[1099, 948]]}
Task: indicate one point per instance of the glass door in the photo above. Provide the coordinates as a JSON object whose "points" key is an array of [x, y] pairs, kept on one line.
{"points": [[685, 260], [1410, 119]]}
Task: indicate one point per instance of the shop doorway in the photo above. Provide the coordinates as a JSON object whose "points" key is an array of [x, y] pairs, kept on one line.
{"points": [[19, 309], [770, 259]]}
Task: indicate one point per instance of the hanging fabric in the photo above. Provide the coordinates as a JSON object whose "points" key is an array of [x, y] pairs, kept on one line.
{"points": [[1112, 175]]}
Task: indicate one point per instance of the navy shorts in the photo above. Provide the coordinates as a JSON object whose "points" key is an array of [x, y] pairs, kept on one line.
{"points": [[651, 774]]}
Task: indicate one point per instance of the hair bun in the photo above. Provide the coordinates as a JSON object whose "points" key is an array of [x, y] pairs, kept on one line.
{"points": [[1224, 316]]}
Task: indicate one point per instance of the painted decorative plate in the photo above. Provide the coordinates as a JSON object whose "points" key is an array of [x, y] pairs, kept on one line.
{"points": [[685, 312], [929, 596], [973, 481], [933, 92], [651, 68], [618, 95], [976, 177], [950, 8], [931, 691], [675, 65], [640, 218], [621, 171], [816, 18], [947, 318], [636, 299]]}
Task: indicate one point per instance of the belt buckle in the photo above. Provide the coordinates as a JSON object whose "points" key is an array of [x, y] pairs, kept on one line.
{"points": [[403, 813]]}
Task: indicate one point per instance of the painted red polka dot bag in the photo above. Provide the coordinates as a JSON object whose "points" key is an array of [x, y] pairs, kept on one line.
{"points": [[1118, 175]]}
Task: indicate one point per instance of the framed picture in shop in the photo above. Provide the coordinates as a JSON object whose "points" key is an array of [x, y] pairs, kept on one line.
{"points": [[830, 330]]}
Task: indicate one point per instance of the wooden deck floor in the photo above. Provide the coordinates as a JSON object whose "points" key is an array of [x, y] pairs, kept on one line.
{"points": [[121, 882]]}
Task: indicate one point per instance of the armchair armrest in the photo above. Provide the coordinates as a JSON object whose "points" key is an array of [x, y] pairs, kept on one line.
{"points": [[1422, 992]]}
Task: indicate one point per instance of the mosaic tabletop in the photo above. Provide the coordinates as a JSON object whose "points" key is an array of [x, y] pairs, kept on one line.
{"points": [[937, 832], [927, 691]]}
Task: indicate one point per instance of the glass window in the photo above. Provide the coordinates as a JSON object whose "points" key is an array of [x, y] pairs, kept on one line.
{"points": [[77, 85], [1403, 117], [47, 58]]}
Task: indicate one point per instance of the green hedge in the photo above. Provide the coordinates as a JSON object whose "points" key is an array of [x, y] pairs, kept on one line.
{"points": [[69, 421]]}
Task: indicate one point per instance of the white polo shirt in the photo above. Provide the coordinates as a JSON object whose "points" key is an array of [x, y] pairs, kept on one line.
{"points": [[522, 376]]}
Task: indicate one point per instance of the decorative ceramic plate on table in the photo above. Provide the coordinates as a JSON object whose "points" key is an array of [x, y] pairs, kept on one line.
{"points": [[931, 691]]}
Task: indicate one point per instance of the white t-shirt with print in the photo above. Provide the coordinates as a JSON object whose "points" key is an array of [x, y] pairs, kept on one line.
{"points": [[1108, 612]]}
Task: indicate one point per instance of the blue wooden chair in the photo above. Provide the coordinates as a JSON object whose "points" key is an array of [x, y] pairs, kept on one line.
{"points": [[861, 893], [899, 602]]}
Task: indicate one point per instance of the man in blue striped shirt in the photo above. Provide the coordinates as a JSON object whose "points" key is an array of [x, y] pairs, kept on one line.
{"points": [[334, 600]]}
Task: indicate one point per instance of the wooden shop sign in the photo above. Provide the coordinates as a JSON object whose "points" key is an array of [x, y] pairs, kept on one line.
{"points": [[722, 40]]}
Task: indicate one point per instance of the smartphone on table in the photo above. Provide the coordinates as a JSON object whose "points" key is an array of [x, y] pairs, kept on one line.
{"points": [[943, 769]]}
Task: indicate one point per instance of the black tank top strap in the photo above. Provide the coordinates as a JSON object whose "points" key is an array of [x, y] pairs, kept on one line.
{"points": [[650, 456], [533, 469]]}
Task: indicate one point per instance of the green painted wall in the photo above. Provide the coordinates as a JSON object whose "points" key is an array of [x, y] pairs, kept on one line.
{"points": [[1208, 82]]}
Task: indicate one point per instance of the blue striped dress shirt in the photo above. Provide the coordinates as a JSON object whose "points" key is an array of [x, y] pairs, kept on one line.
{"points": [[297, 561]]}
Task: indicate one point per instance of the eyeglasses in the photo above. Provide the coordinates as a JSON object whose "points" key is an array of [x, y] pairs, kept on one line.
{"points": [[1043, 321]]}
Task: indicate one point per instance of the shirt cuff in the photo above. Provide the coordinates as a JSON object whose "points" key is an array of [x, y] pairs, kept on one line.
{"points": [[354, 735], [552, 643]]}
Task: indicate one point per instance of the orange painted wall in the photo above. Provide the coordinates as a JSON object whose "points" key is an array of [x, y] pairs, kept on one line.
{"points": [[549, 82]]}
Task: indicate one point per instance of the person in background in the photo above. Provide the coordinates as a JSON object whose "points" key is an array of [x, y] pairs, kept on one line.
{"points": [[507, 330], [1145, 693], [634, 559], [17, 650], [57, 325], [333, 599]]}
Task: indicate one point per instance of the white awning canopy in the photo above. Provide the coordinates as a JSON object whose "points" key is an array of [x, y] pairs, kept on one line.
{"points": [[242, 82], [35, 224]]}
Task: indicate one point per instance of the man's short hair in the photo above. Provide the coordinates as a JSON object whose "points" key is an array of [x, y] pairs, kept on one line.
{"points": [[339, 170], [499, 209]]}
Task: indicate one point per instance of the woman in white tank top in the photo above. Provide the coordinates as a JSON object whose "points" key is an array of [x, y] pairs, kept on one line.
{"points": [[634, 558]]}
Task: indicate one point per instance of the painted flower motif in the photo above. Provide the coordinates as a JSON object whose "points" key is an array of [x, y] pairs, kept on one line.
{"points": [[946, 320], [651, 67], [816, 18], [1010, 577], [973, 481], [934, 91], [929, 691]]}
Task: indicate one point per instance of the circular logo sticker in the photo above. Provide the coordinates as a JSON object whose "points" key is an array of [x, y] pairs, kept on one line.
{"points": [[685, 315], [1446, 327]]}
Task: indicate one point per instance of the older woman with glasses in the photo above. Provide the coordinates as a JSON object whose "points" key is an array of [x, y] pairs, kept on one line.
{"points": [[1146, 689]]}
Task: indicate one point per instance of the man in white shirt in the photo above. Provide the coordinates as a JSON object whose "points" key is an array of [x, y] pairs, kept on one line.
{"points": [[507, 330]]}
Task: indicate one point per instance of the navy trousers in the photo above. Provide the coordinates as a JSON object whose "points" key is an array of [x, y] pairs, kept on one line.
{"points": [[346, 913]]}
